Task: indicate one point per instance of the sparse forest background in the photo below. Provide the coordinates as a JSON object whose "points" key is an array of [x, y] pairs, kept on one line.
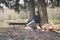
{"points": [[21, 10]]}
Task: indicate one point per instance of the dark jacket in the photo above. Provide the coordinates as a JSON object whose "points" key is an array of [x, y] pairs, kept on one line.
{"points": [[37, 19]]}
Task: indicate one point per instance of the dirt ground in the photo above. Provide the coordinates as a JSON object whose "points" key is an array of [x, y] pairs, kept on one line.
{"points": [[16, 33]]}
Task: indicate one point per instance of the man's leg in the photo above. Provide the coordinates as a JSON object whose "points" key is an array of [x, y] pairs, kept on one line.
{"points": [[40, 25], [28, 25], [34, 26], [37, 25]]}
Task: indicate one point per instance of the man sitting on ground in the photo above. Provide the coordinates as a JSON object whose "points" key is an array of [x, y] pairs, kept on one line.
{"points": [[35, 20]]}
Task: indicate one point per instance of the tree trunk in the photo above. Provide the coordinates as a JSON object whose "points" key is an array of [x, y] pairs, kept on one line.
{"points": [[31, 8], [43, 11], [57, 2], [24, 3]]}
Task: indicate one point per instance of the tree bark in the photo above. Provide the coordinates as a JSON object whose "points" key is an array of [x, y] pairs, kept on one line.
{"points": [[43, 11], [31, 8], [57, 2]]}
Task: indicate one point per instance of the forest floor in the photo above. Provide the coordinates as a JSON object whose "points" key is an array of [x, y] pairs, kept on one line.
{"points": [[16, 33]]}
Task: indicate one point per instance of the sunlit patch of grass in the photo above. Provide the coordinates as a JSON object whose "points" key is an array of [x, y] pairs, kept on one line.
{"points": [[56, 22], [4, 27], [22, 27]]}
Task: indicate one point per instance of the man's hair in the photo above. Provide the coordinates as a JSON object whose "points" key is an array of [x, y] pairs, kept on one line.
{"points": [[38, 13]]}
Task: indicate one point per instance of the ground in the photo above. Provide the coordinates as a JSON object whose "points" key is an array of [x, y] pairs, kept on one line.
{"points": [[16, 33]]}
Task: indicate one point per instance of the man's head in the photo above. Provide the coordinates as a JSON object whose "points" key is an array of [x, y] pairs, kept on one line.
{"points": [[37, 13]]}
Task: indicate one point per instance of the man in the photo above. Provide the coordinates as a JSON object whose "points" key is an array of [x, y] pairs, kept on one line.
{"points": [[35, 20]]}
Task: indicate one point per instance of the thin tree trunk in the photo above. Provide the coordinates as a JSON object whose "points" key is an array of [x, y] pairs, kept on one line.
{"points": [[43, 11], [57, 2]]}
